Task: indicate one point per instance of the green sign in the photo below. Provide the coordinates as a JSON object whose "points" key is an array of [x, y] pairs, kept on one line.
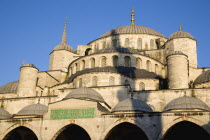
{"points": [[72, 114]]}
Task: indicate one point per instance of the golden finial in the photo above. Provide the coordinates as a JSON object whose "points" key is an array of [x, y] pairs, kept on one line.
{"points": [[180, 27], [132, 16], [64, 40]]}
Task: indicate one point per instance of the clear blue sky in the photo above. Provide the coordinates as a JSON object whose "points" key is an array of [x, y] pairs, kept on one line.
{"points": [[30, 29]]}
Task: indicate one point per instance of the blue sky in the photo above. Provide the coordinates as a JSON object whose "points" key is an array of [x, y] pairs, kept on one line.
{"points": [[30, 29]]}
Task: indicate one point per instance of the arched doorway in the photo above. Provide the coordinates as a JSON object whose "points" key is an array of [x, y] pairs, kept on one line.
{"points": [[126, 131], [21, 133], [73, 132], [186, 130]]}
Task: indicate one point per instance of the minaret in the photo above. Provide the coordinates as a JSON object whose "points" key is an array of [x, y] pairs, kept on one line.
{"points": [[132, 17], [62, 54]]}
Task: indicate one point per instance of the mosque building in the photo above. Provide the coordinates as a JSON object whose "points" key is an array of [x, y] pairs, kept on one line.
{"points": [[131, 83]]}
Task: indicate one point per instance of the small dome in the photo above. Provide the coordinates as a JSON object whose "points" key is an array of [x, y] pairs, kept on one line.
{"points": [[9, 87], [4, 114], [186, 103], [34, 109], [29, 65], [131, 105], [203, 78], [84, 93], [180, 34], [132, 29], [63, 46]]}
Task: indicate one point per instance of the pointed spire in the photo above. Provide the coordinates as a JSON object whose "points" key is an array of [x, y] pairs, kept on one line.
{"points": [[64, 40], [180, 27], [132, 16]]}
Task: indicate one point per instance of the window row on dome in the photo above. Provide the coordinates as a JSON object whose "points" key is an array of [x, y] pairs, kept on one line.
{"points": [[115, 61], [127, 43]]}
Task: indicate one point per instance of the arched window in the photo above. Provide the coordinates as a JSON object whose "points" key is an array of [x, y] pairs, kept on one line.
{"points": [[115, 61], [146, 46], [127, 82], [103, 61], [152, 44], [77, 67], [97, 47], [139, 44], [114, 43], [92, 63], [141, 86], [127, 60], [148, 65], [83, 65], [138, 63], [94, 81], [111, 80], [104, 44], [156, 69], [127, 42], [87, 52], [80, 82]]}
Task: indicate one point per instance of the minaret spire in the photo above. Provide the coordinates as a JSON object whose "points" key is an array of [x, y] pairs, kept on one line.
{"points": [[180, 27], [132, 17], [64, 40]]}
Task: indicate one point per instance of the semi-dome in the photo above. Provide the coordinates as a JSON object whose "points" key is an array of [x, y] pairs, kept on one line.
{"points": [[132, 29], [63, 46], [34, 109], [203, 78], [85, 93], [186, 103], [180, 34], [132, 105], [9, 87], [4, 114]]}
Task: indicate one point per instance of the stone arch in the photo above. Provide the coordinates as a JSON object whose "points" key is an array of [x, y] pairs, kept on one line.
{"points": [[115, 60], [104, 45], [138, 63], [103, 61], [127, 61], [178, 120], [82, 64], [92, 62], [148, 66], [80, 82], [141, 86], [5, 135], [87, 51], [83, 127], [131, 121], [114, 43]]}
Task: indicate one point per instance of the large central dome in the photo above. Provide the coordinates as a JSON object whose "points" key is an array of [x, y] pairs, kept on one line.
{"points": [[132, 29]]}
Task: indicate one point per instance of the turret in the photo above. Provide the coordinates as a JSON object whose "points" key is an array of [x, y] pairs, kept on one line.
{"points": [[27, 80], [177, 65], [184, 42], [62, 55]]}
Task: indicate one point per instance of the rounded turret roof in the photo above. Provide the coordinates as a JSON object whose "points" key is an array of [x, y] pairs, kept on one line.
{"points": [[180, 34], [63, 46], [34, 109], [130, 105], [29, 65], [9, 87], [132, 29], [186, 103], [203, 78], [85, 93], [4, 114]]}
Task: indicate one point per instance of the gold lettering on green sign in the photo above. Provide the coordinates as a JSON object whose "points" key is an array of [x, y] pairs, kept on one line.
{"points": [[72, 114]]}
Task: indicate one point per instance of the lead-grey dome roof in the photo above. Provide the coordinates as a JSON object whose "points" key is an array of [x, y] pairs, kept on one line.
{"points": [[34, 109], [9, 87], [186, 103], [132, 29], [63, 46], [203, 78], [29, 65], [132, 105], [84, 93], [4, 114], [180, 34]]}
